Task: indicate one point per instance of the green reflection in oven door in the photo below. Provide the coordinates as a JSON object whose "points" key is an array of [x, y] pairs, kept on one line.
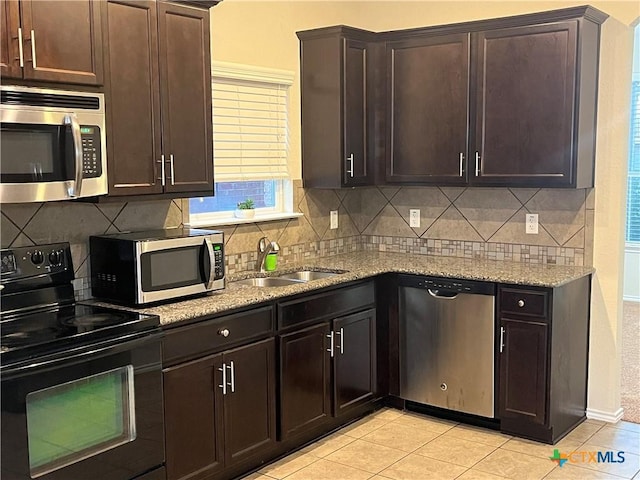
{"points": [[75, 420]]}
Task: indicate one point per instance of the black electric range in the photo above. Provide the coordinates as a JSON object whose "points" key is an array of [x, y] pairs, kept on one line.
{"points": [[65, 364]]}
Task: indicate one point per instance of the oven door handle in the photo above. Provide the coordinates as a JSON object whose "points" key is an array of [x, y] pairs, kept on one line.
{"points": [[124, 343], [72, 120], [212, 264]]}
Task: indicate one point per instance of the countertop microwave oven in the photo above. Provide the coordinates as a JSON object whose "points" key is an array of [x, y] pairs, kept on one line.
{"points": [[52, 144], [138, 268]]}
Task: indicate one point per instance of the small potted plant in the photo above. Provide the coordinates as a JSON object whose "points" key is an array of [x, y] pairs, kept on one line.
{"points": [[245, 209]]}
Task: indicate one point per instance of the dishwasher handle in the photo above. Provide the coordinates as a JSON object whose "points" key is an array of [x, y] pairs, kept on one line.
{"points": [[443, 296]]}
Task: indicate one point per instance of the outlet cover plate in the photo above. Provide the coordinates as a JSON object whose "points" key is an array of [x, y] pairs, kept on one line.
{"points": [[333, 219], [414, 217], [531, 223]]}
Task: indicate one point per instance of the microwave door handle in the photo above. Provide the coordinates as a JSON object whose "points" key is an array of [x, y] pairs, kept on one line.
{"points": [[72, 120], [212, 265]]}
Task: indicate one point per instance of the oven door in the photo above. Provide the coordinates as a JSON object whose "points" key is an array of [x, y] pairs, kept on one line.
{"points": [[179, 267], [93, 412]]}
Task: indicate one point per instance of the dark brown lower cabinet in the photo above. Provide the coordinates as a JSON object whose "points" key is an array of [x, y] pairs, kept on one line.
{"points": [[523, 367], [543, 352], [354, 366], [305, 379], [219, 410], [325, 370]]}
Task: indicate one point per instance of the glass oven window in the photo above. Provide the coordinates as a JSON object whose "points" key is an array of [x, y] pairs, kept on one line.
{"points": [[75, 420]]}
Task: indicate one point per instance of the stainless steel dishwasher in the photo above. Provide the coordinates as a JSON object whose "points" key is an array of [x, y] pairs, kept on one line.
{"points": [[447, 330]]}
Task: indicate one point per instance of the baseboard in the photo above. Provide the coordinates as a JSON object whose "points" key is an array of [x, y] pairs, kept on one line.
{"points": [[610, 417]]}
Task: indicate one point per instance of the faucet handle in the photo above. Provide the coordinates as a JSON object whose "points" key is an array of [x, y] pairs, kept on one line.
{"points": [[262, 244]]}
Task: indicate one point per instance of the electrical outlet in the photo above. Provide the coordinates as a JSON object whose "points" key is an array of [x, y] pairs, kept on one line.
{"points": [[333, 219], [531, 223], [414, 217]]}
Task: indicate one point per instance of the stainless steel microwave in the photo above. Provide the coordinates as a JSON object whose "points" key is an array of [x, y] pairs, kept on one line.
{"points": [[137, 268], [52, 145]]}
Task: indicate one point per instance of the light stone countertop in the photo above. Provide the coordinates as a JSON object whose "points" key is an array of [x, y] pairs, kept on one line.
{"points": [[360, 265]]}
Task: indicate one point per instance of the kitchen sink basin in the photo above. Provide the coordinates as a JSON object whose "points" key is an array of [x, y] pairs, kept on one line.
{"points": [[268, 282], [307, 275]]}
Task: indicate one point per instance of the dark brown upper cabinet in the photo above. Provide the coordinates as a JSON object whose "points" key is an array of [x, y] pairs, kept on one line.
{"points": [[501, 102], [158, 87], [52, 41], [336, 80], [428, 105]]}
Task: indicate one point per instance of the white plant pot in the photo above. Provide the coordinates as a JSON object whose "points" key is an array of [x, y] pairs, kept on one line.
{"points": [[250, 213]]}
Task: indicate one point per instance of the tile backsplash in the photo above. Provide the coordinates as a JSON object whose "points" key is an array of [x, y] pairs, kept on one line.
{"points": [[459, 222]]}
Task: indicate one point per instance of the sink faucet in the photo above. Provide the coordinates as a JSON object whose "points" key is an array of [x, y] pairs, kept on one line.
{"points": [[264, 248]]}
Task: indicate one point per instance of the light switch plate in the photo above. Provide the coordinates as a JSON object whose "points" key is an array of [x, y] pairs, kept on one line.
{"points": [[333, 220], [414, 217], [531, 223]]}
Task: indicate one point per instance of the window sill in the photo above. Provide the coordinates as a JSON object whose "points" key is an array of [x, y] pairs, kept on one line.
{"points": [[239, 221]]}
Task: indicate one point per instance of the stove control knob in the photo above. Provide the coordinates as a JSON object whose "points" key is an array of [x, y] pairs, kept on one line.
{"points": [[37, 257], [55, 258]]}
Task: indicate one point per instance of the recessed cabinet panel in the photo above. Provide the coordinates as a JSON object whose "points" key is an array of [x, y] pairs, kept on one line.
{"points": [[355, 112], [133, 92], [428, 109], [63, 41], [525, 105], [9, 49], [185, 80]]}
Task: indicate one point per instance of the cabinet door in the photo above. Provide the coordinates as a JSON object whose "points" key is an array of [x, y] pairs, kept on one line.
{"points": [[133, 98], [250, 401], [9, 41], [428, 92], [185, 83], [525, 105], [523, 370], [305, 379], [193, 418], [63, 41], [355, 358], [356, 171]]}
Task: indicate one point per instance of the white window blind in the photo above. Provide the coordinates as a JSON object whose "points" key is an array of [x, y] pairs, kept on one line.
{"points": [[250, 123]]}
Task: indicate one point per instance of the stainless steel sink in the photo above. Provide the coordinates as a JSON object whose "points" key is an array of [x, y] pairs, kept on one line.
{"points": [[307, 275], [268, 282]]}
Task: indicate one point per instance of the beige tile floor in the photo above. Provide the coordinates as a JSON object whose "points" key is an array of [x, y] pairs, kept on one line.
{"points": [[406, 446]]}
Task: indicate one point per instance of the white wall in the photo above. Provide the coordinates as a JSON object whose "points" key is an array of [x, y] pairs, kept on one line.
{"points": [[263, 33]]}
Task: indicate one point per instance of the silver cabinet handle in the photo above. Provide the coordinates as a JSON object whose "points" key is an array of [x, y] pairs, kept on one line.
{"points": [[350, 170], [501, 339], [461, 164], [224, 378], [341, 347], [212, 263], [224, 332], [72, 120], [477, 164], [20, 48], [521, 303], [330, 349], [33, 49], [173, 173], [232, 384], [162, 173]]}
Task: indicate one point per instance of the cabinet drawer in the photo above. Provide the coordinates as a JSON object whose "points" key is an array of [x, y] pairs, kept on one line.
{"points": [[523, 302], [206, 337], [325, 305]]}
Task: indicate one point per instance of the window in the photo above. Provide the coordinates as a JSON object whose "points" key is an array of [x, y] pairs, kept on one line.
{"points": [[251, 145], [633, 192]]}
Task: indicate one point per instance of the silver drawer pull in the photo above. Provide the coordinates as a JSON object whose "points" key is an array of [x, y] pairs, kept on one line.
{"points": [[521, 303], [233, 377], [224, 332], [224, 378], [330, 349], [501, 339]]}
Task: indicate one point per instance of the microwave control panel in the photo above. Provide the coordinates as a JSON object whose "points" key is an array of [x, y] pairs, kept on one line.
{"points": [[91, 154], [218, 260]]}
